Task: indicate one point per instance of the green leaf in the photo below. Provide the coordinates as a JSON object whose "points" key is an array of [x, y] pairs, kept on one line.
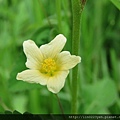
{"points": [[116, 3], [16, 112], [99, 95], [16, 85], [8, 112]]}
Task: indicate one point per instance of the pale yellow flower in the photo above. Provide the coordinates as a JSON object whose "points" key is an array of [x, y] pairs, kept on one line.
{"points": [[47, 64]]}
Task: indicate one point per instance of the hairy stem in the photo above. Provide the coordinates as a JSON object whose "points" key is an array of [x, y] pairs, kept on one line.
{"points": [[77, 7]]}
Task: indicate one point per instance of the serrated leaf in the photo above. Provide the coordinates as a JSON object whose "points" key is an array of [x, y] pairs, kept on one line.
{"points": [[16, 112]]}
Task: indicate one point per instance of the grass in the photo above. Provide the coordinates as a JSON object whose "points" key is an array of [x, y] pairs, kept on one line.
{"points": [[42, 20]]}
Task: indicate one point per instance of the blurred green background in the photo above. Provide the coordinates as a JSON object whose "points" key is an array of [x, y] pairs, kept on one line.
{"points": [[41, 21]]}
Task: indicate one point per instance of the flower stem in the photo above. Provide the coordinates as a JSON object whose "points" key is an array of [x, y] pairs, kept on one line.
{"points": [[77, 8], [60, 105]]}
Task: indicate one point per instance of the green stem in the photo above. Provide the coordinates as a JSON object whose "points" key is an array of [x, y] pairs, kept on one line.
{"points": [[60, 105], [77, 7], [58, 13]]}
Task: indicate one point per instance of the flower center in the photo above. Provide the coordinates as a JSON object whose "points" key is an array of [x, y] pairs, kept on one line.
{"points": [[48, 66]]}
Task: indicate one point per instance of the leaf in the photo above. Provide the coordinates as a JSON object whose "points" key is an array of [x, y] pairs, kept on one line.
{"points": [[16, 112], [8, 112], [16, 85], [116, 3], [99, 95]]}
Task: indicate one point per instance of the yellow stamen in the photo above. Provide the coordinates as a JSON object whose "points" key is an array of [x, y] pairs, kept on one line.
{"points": [[48, 66]]}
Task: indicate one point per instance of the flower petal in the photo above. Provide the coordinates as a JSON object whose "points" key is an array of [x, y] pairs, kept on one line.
{"points": [[54, 47], [56, 83], [32, 76], [67, 61], [33, 54]]}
